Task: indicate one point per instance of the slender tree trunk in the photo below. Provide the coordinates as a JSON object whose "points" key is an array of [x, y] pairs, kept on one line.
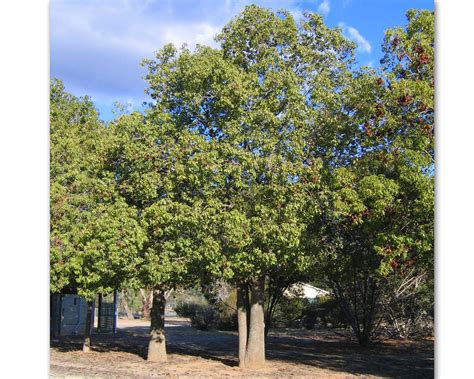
{"points": [[242, 315], [86, 347], [147, 300], [272, 304], [128, 312], [157, 343], [255, 354]]}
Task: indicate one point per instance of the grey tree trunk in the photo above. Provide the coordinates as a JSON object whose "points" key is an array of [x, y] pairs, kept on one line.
{"points": [[128, 312], [242, 316], [255, 354], [86, 347], [147, 300], [157, 343]]}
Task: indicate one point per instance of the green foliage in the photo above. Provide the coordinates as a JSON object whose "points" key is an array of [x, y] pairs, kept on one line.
{"points": [[378, 203], [289, 312], [301, 312], [95, 235], [325, 310], [250, 107], [188, 308], [208, 310], [165, 172], [203, 315], [269, 156]]}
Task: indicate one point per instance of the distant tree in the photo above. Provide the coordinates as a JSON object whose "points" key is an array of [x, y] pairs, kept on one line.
{"points": [[146, 296], [127, 301]]}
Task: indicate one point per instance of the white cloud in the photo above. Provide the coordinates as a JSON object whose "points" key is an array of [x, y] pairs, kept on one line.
{"points": [[362, 44], [324, 7], [96, 46]]}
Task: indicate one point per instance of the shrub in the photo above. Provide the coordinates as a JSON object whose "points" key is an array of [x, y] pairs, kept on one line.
{"points": [[328, 312], [227, 313], [203, 316], [289, 312], [186, 309], [408, 304], [306, 313]]}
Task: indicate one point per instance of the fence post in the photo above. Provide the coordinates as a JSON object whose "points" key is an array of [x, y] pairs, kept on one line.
{"points": [[99, 313], [115, 311], [61, 314], [92, 318]]}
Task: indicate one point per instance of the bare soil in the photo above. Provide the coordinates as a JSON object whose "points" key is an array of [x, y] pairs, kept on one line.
{"points": [[205, 354]]}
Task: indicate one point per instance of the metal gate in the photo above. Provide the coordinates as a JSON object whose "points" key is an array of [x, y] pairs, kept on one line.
{"points": [[107, 314], [68, 314]]}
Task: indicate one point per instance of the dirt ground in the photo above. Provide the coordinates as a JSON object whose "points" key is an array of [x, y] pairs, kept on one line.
{"points": [[204, 354]]}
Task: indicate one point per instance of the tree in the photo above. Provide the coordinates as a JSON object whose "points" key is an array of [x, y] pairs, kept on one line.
{"points": [[161, 170], [95, 235], [377, 203], [408, 302], [127, 302], [250, 102], [279, 279], [147, 301]]}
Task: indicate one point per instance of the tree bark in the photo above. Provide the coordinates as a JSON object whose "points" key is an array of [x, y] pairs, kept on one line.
{"points": [[147, 300], [126, 308], [157, 343], [242, 316], [86, 347], [255, 354]]}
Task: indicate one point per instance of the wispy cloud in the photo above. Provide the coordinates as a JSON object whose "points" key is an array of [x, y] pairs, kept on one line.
{"points": [[96, 46], [346, 3], [325, 7], [362, 44]]}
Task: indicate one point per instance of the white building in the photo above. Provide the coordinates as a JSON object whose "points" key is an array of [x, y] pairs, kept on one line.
{"points": [[304, 291]]}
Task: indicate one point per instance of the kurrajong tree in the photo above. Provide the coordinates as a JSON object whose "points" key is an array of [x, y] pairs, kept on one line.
{"points": [[95, 234], [162, 170], [376, 219], [254, 102]]}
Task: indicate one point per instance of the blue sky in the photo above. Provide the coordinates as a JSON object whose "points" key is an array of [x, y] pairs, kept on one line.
{"points": [[96, 46]]}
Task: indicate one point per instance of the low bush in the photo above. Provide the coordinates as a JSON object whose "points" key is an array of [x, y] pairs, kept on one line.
{"points": [[289, 312], [203, 316], [328, 312], [297, 313], [186, 309]]}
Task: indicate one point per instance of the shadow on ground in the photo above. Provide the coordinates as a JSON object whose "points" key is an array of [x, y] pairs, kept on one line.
{"points": [[322, 349]]}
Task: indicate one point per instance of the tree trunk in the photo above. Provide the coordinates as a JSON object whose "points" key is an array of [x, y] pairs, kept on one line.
{"points": [[147, 300], [255, 354], [126, 308], [242, 316], [273, 301], [86, 347], [157, 343]]}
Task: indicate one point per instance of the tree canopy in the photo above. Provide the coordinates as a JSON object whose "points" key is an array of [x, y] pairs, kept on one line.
{"points": [[95, 235]]}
